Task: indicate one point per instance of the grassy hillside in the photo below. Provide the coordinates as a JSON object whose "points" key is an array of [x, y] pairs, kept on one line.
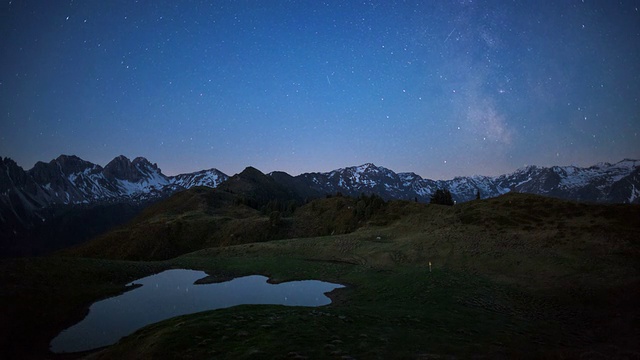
{"points": [[515, 276], [202, 217], [189, 220]]}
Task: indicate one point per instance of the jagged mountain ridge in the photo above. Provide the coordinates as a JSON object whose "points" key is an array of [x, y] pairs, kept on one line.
{"points": [[604, 182], [69, 180], [69, 200], [607, 183], [26, 196], [369, 178]]}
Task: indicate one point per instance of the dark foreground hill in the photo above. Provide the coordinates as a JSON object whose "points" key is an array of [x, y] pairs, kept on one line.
{"points": [[202, 217], [517, 276]]}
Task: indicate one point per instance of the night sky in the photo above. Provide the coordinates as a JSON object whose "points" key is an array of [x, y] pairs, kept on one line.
{"points": [[440, 88]]}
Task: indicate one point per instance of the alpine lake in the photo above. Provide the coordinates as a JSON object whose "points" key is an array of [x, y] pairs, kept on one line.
{"points": [[179, 292]]}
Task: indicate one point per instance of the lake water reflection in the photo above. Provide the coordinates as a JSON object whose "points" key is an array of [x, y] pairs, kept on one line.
{"points": [[173, 293]]}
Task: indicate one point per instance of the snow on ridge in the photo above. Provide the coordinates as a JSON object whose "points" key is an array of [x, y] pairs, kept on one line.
{"points": [[128, 187], [608, 173], [89, 184], [156, 179], [635, 194], [408, 177], [361, 169], [523, 182], [628, 163], [209, 178], [153, 181]]}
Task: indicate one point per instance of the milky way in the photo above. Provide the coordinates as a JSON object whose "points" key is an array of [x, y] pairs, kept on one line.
{"points": [[438, 88]]}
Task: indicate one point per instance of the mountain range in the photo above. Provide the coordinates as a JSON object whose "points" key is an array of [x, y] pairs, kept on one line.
{"points": [[119, 190]]}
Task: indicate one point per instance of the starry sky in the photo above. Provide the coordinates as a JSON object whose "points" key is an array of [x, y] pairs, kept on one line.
{"points": [[441, 88]]}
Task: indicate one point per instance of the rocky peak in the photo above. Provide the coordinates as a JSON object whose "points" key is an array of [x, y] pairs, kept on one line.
{"points": [[409, 176], [251, 173], [71, 164], [211, 178], [45, 173], [367, 166], [58, 170], [143, 162], [10, 174], [145, 166], [628, 163], [122, 168]]}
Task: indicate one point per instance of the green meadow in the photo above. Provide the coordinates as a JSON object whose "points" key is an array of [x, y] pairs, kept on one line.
{"points": [[518, 276]]}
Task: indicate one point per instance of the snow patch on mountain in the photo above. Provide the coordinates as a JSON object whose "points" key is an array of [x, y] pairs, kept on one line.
{"points": [[570, 182], [210, 178], [635, 194]]}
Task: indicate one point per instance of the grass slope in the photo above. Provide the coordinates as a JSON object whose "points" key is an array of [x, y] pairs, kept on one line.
{"points": [[202, 217], [190, 220], [515, 276]]}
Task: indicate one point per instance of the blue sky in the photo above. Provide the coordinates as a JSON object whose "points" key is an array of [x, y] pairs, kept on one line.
{"points": [[440, 88]]}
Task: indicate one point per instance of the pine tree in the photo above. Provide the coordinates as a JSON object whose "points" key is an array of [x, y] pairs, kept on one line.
{"points": [[442, 197], [478, 195]]}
